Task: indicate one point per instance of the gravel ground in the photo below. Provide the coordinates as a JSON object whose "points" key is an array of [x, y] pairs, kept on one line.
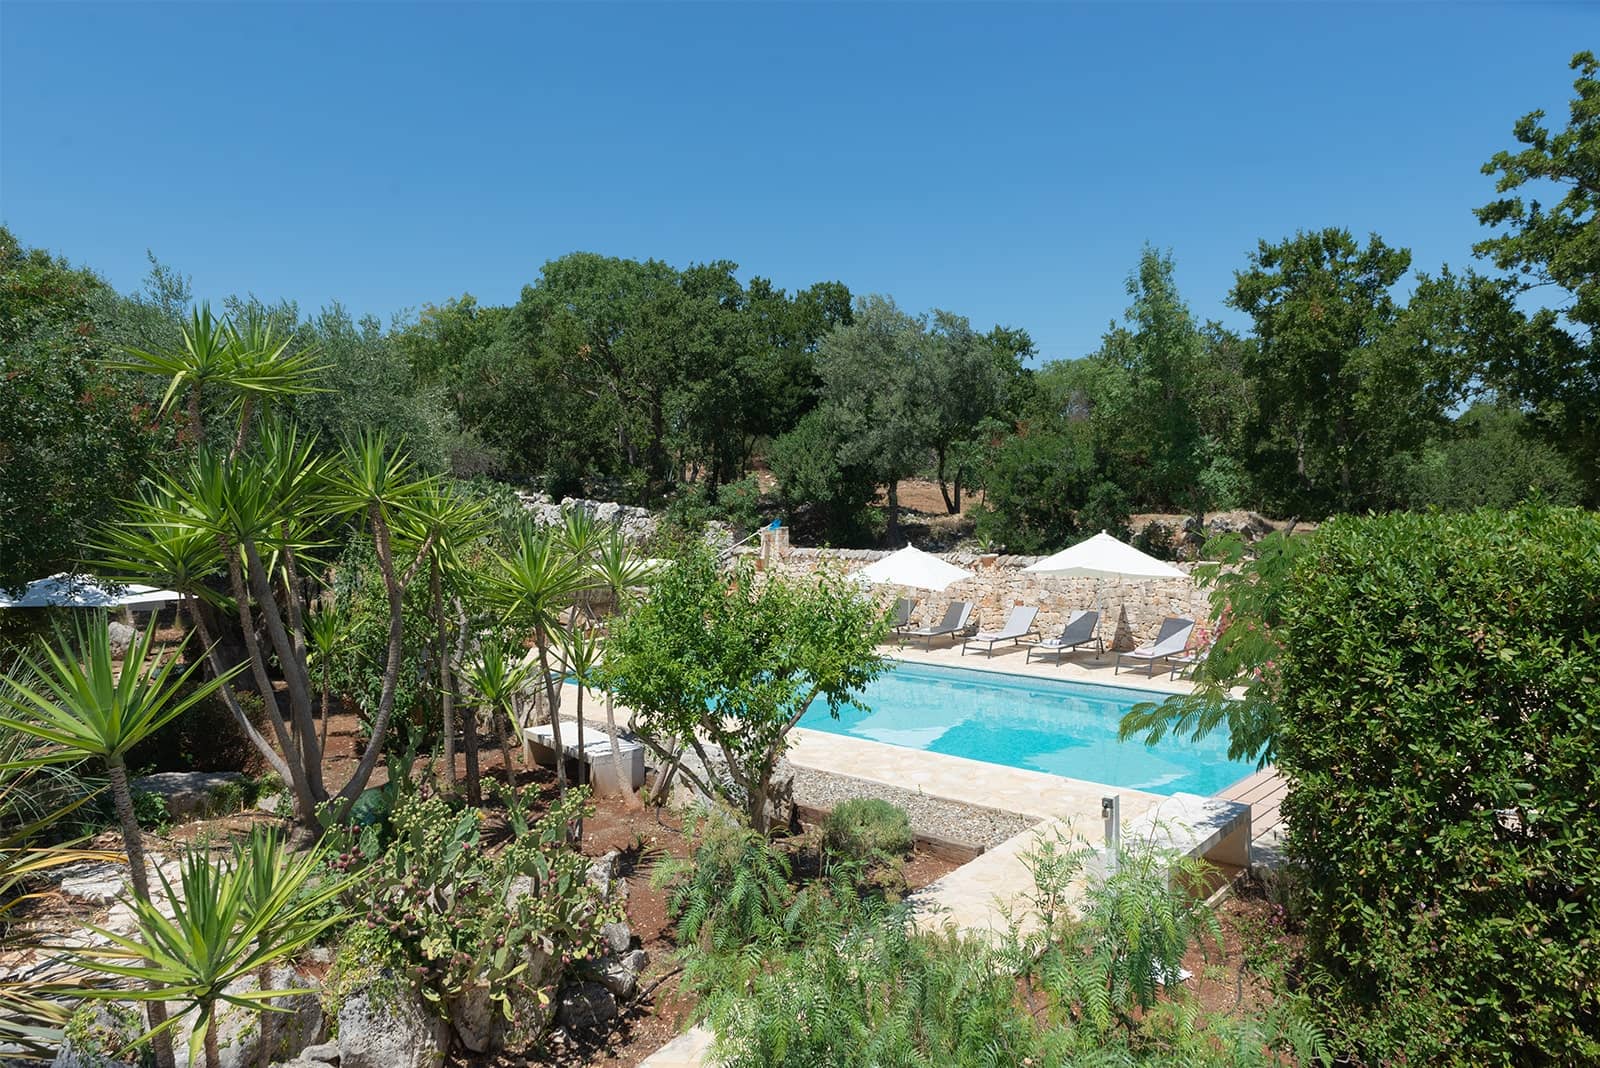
{"points": [[950, 820]]}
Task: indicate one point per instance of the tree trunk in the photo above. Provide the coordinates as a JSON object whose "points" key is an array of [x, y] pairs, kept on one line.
{"points": [[469, 723], [555, 718], [447, 716], [582, 762], [305, 794], [952, 506], [291, 661], [629, 798], [327, 709], [139, 881], [395, 586], [213, 1054], [892, 531], [500, 715], [229, 698]]}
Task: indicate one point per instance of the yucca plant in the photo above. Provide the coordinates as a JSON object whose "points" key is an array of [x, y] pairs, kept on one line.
{"points": [[533, 584], [228, 922], [580, 654], [497, 675], [328, 627], [201, 360], [615, 568], [32, 1012], [267, 871], [72, 695]]}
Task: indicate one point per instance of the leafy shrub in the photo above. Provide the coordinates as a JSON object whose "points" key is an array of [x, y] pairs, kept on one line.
{"points": [[869, 831], [740, 503], [865, 986], [733, 900], [442, 914], [150, 810], [1440, 690]]}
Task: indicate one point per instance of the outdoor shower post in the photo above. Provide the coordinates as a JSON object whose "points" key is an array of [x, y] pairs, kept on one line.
{"points": [[1111, 812]]}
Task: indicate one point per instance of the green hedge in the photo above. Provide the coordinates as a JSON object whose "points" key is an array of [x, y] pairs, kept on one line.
{"points": [[1440, 698]]}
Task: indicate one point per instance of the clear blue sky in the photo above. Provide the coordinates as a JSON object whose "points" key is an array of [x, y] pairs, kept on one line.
{"points": [[1005, 162]]}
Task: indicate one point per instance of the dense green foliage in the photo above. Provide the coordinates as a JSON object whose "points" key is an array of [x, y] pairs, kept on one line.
{"points": [[818, 976], [72, 431], [1439, 693], [1552, 244]]}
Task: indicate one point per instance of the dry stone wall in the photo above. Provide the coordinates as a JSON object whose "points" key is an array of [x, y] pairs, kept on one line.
{"points": [[1131, 612]]}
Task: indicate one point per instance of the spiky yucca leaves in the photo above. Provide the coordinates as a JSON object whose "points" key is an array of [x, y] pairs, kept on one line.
{"points": [[73, 695], [228, 922], [498, 675], [200, 360], [532, 585], [614, 567], [32, 1012]]}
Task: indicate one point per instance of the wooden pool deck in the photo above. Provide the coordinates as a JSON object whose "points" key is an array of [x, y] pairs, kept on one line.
{"points": [[1263, 791]]}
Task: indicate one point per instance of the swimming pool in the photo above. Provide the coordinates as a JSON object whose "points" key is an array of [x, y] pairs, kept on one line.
{"points": [[1064, 728]]}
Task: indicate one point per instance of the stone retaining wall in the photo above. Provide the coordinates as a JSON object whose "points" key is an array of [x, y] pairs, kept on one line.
{"points": [[1135, 608]]}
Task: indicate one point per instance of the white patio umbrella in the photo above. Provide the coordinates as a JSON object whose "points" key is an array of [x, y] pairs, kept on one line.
{"points": [[82, 591], [1104, 557], [911, 567]]}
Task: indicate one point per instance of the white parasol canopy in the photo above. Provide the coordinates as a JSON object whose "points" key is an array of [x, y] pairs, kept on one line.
{"points": [[82, 591], [912, 567], [1103, 556]]}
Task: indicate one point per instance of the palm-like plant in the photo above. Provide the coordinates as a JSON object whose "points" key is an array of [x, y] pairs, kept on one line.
{"points": [[31, 1011], [72, 695], [268, 872], [202, 359], [498, 676], [227, 922], [328, 628], [533, 584], [264, 366], [615, 568], [381, 486], [157, 540], [448, 523], [581, 655]]}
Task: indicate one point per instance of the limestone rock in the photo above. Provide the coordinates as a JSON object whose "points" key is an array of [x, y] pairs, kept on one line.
{"points": [[584, 1007], [121, 637], [620, 974], [390, 1029], [617, 936], [190, 794], [477, 1020]]}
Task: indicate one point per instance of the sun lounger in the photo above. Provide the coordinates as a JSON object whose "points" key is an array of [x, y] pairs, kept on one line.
{"points": [[901, 622], [1018, 626], [1081, 629], [957, 619], [1170, 642]]}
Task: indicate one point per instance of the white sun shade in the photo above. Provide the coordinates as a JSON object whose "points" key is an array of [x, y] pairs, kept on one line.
{"points": [[912, 567], [1103, 556], [82, 591]]}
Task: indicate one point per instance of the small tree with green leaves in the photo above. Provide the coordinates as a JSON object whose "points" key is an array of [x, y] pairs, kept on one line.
{"points": [[725, 663]]}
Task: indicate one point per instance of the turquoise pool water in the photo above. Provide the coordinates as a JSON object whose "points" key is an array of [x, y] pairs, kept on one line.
{"points": [[1064, 728]]}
